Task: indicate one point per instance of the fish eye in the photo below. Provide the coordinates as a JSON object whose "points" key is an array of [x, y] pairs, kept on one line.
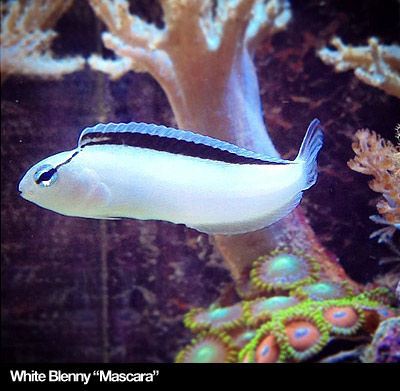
{"points": [[45, 175]]}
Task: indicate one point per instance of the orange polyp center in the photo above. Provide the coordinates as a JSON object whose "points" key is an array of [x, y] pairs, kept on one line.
{"points": [[344, 317], [268, 350], [302, 335]]}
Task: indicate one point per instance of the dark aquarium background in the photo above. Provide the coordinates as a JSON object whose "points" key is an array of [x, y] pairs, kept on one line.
{"points": [[81, 290]]}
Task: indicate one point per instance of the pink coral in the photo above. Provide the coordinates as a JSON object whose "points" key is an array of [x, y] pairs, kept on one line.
{"points": [[380, 158]]}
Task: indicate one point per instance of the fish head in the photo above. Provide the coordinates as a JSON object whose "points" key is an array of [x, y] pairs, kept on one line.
{"points": [[59, 184]]}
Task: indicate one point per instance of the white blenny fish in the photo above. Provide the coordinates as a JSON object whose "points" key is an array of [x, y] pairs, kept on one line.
{"points": [[151, 172]]}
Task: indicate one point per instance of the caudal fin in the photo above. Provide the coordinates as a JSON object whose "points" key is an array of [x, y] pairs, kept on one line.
{"points": [[311, 145]]}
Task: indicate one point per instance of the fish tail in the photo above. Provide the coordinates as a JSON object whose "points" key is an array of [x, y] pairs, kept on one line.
{"points": [[311, 145]]}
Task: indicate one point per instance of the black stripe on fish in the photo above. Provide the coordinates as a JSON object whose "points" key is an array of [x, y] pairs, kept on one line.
{"points": [[67, 161], [171, 140]]}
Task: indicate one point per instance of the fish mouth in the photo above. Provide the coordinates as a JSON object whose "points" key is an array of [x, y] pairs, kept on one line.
{"points": [[22, 194], [26, 194], [23, 189]]}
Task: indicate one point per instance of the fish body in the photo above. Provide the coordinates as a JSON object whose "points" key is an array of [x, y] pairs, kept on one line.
{"points": [[151, 172]]}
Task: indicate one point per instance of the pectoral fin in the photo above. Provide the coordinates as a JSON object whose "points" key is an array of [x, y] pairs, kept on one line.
{"points": [[100, 195]]}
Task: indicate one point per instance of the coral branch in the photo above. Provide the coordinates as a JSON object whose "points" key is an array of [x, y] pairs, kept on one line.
{"points": [[267, 19], [377, 65], [380, 158], [26, 38], [183, 21], [121, 23], [136, 43], [115, 68], [233, 19]]}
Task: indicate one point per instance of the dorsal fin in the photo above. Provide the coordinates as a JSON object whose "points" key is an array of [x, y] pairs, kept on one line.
{"points": [[171, 140]]}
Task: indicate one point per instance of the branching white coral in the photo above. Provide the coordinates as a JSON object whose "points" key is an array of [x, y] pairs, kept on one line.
{"points": [[189, 25], [376, 64], [26, 37]]}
